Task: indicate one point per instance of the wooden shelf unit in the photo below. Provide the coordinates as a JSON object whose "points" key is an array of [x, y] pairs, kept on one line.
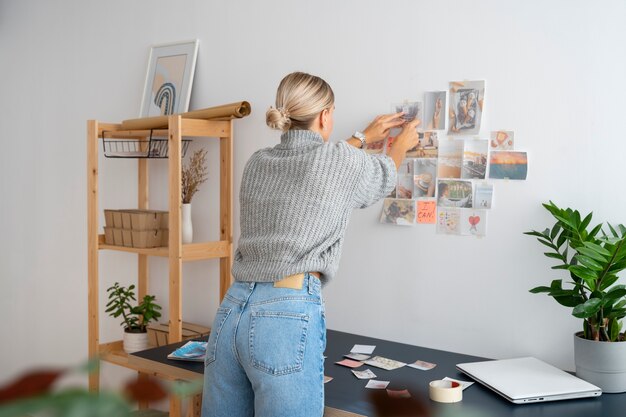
{"points": [[177, 253]]}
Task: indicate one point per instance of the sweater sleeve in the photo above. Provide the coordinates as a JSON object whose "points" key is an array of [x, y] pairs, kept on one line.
{"points": [[376, 180]]}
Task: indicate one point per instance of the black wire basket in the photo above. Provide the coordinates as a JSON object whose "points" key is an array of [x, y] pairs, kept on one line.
{"points": [[149, 147]]}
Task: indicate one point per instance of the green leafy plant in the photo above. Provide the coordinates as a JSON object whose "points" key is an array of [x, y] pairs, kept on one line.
{"points": [[593, 260], [135, 319]]}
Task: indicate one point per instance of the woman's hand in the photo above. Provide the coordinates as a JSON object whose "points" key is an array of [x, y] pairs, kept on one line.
{"points": [[379, 128], [406, 140]]}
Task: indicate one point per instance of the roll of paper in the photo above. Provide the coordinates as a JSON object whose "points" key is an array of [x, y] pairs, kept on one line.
{"points": [[224, 112]]}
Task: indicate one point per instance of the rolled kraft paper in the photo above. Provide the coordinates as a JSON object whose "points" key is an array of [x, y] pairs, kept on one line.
{"points": [[445, 391], [224, 112]]}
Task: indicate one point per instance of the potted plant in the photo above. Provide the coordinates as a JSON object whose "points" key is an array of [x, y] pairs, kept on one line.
{"points": [[193, 175], [135, 319], [593, 258]]}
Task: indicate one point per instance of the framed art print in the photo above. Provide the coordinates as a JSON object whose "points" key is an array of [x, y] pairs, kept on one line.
{"points": [[169, 78]]}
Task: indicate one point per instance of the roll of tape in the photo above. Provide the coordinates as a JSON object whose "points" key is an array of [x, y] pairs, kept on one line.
{"points": [[445, 391]]}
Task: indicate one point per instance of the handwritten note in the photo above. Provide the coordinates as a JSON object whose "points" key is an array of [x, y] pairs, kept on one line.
{"points": [[426, 211]]}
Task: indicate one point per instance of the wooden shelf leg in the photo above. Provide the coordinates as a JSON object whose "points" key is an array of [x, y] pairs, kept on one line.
{"points": [[226, 208], [175, 239], [92, 248]]}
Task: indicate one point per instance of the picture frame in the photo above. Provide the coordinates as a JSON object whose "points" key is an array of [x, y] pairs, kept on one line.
{"points": [[169, 78]]}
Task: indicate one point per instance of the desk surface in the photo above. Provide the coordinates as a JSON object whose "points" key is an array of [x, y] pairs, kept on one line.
{"points": [[346, 392]]}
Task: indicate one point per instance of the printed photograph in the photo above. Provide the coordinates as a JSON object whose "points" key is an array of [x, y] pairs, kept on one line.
{"points": [[475, 159], [450, 159], [404, 185], [508, 165], [375, 147], [425, 177], [412, 110], [454, 193], [448, 221], [427, 147], [483, 196], [398, 211], [474, 222], [466, 107], [435, 110], [502, 140]]}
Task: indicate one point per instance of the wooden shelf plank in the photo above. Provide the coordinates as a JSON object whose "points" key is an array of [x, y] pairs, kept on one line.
{"points": [[190, 251], [114, 353]]}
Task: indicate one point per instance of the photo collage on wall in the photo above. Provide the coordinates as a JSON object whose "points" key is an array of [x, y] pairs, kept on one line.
{"points": [[444, 180]]}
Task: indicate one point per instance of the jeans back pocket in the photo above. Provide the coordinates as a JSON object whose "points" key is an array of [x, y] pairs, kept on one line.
{"points": [[277, 341], [218, 323]]}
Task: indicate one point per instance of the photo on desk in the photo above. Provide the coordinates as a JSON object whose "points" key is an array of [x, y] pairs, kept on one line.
{"points": [[435, 105], [450, 159], [466, 107], [448, 221], [475, 159], [398, 211]]}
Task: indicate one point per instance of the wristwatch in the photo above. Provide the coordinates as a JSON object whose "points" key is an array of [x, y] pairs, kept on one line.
{"points": [[360, 136]]}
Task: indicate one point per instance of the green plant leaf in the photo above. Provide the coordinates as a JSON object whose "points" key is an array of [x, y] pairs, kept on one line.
{"points": [[538, 290], [569, 301], [555, 231], [592, 254], [553, 255], [589, 263], [535, 233], [584, 273], [588, 308], [565, 221], [563, 266], [612, 230], [607, 281], [597, 248], [585, 222], [595, 231]]}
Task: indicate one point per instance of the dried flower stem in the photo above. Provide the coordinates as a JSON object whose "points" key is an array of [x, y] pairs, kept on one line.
{"points": [[193, 175]]}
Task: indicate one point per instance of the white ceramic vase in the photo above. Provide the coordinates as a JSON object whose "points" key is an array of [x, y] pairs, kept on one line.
{"points": [[601, 363], [134, 342], [186, 226]]}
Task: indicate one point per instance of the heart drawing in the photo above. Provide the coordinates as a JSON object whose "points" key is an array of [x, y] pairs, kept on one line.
{"points": [[474, 220]]}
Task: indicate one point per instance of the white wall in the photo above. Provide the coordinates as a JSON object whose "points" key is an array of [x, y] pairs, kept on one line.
{"points": [[554, 73]]}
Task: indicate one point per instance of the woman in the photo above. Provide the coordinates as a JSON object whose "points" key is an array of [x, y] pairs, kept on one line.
{"points": [[265, 351]]}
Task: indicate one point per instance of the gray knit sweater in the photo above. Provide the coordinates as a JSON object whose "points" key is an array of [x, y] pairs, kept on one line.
{"points": [[296, 199]]}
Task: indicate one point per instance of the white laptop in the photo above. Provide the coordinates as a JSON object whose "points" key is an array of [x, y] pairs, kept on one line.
{"points": [[527, 380]]}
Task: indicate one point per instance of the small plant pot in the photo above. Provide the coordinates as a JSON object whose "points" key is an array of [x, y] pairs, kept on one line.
{"points": [[135, 341], [601, 363]]}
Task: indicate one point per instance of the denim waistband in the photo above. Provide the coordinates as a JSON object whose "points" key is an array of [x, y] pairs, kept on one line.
{"points": [[240, 291]]}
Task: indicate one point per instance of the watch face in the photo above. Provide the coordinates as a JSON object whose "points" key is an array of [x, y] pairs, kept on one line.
{"points": [[359, 135]]}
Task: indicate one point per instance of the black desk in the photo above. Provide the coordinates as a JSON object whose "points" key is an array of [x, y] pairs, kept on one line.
{"points": [[345, 392]]}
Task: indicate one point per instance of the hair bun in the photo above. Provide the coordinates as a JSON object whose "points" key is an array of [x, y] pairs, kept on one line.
{"points": [[278, 119]]}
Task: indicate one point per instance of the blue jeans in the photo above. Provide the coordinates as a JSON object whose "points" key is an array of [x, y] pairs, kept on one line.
{"points": [[265, 352]]}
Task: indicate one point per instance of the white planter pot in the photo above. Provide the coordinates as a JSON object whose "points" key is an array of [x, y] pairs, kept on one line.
{"points": [[134, 342], [186, 226], [601, 363]]}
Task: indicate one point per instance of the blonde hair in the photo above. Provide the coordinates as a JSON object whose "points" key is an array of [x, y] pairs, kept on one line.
{"points": [[299, 99]]}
